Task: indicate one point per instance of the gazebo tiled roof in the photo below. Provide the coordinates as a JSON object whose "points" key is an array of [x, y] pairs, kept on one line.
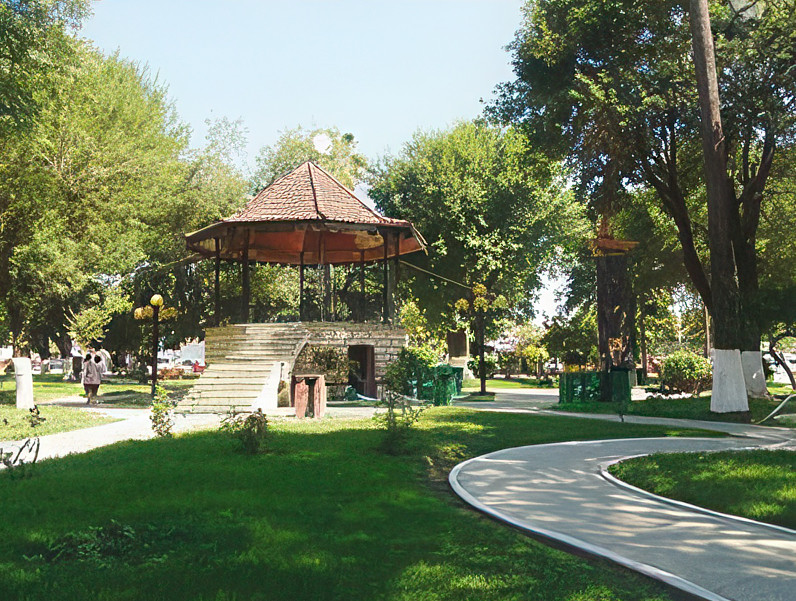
{"points": [[308, 193], [307, 216]]}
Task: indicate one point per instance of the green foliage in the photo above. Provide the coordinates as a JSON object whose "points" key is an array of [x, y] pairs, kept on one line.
{"points": [[251, 430], [413, 364], [162, 413], [326, 147], [686, 371], [35, 36], [573, 339], [490, 209], [611, 87], [490, 362], [90, 324], [397, 422]]}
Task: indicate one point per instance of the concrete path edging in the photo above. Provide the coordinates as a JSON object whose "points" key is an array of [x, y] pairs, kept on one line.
{"points": [[571, 541], [640, 491], [563, 492]]}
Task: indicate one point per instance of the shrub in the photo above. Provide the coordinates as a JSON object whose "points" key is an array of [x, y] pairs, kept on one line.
{"points": [[251, 430], [414, 363], [283, 394], [687, 372], [397, 421], [162, 413], [490, 361]]}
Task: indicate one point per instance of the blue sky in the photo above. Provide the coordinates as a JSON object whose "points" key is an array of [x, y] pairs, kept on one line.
{"points": [[375, 68]]}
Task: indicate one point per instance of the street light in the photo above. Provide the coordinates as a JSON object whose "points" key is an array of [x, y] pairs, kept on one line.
{"points": [[157, 302]]}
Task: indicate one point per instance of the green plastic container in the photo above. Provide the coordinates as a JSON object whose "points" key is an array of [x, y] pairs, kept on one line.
{"points": [[587, 386]]}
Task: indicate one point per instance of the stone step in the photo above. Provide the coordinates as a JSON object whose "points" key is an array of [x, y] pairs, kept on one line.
{"points": [[228, 386], [242, 395]]}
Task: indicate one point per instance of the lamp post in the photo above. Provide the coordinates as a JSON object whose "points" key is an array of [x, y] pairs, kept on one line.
{"points": [[157, 302]]}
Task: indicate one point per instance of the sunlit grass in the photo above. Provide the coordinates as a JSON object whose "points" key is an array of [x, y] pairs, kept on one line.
{"points": [[675, 408], [15, 425], [323, 515], [760, 485], [513, 383], [113, 391]]}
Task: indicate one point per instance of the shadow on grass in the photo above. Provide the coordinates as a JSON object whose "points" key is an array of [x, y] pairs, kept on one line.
{"points": [[323, 515]]}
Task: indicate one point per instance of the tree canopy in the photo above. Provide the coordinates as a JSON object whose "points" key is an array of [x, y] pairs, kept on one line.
{"points": [[491, 210], [610, 86]]}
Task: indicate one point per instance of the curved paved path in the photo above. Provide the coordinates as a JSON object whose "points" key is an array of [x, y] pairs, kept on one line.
{"points": [[557, 491]]}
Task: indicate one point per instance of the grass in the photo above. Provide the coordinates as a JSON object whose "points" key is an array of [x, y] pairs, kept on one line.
{"points": [[760, 485], [113, 392], [676, 408], [14, 424], [779, 388], [513, 383], [324, 515], [475, 397]]}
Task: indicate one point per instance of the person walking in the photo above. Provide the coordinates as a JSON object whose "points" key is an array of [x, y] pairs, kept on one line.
{"points": [[92, 376]]}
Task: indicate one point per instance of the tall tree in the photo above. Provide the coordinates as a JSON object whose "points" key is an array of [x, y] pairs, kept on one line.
{"points": [[491, 210], [334, 151], [611, 86]]}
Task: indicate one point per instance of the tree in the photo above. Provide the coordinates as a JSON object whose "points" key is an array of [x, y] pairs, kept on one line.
{"points": [[35, 36], [611, 86], [491, 210], [326, 147]]}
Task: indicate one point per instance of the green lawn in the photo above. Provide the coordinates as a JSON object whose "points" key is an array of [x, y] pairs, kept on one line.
{"points": [[513, 383], [760, 485], [14, 424], [324, 515], [677, 408], [113, 392]]}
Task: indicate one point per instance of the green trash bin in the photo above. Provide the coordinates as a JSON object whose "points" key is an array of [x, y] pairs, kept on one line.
{"points": [[458, 377], [444, 384]]}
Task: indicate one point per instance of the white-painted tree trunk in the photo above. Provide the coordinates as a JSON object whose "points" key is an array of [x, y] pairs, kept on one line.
{"points": [[729, 387], [753, 374]]}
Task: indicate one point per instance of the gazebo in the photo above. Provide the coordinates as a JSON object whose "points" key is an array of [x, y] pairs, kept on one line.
{"points": [[305, 218]]}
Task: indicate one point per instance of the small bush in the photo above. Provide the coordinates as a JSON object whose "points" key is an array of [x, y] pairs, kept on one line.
{"points": [[397, 421], [250, 430], [687, 372], [283, 396], [491, 363], [414, 363], [162, 413]]}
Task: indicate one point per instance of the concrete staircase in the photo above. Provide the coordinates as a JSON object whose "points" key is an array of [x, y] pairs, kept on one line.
{"points": [[244, 365]]}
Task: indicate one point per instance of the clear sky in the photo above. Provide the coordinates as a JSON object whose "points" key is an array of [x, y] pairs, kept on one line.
{"points": [[376, 68]]}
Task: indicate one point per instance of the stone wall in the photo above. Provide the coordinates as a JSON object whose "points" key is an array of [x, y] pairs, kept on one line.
{"points": [[386, 340]]}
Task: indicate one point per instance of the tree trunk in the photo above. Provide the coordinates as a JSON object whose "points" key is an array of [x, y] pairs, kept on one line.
{"points": [[481, 364], [779, 358], [728, 383], [642, 334]]}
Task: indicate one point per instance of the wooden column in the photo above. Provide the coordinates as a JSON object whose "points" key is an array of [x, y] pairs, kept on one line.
{"points": [[385, 296], [246, 285], [361, 304], [217, 291], [301, 287]]}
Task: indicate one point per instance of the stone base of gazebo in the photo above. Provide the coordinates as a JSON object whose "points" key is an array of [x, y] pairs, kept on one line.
{"points": [[246, 362]]}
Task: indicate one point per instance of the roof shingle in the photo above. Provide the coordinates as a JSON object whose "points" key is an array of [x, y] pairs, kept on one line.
{"points": [[308, 193]]}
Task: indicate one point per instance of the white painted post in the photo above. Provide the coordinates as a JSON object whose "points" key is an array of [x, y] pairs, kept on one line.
{"points": [[24, 377], [729, 388], [753, 374]]}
